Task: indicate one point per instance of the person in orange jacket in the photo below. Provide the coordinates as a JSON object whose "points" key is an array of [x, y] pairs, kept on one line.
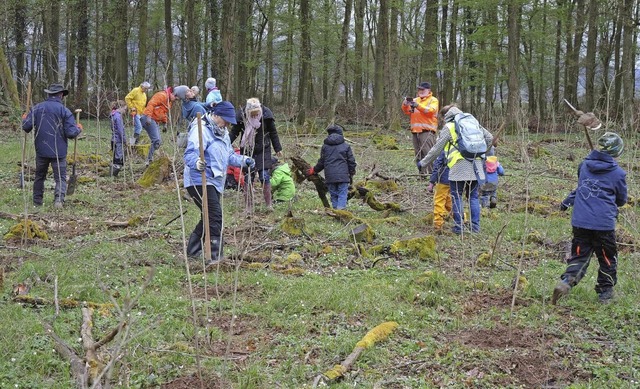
{"points": [[157, 111], [423, 111]]}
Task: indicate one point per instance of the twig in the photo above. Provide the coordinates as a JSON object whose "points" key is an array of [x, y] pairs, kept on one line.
{"points": [[176, 218]]}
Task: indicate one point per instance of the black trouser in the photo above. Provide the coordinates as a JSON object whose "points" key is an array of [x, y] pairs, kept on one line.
{"points": [[583, 245], [59, 166], [214, 209]]}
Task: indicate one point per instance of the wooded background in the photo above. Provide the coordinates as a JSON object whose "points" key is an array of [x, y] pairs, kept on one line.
{"points": [[512, 59]]}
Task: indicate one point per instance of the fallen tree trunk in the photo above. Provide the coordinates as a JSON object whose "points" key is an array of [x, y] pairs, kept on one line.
{"points": [[302, 167]]}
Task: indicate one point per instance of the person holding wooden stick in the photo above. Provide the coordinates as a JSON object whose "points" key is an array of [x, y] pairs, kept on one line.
{"points": [[218, 154], [53, 125]]}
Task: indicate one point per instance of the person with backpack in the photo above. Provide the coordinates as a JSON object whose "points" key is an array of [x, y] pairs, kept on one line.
{"points": [[464, 142], [602, 188], [422, 111]]}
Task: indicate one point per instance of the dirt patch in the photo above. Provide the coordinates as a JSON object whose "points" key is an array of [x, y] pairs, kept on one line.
{"points": [[484, 301], [195, 382], [528, 357]]}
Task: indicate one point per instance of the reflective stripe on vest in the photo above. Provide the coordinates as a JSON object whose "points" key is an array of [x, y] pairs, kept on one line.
{"points": [[453, 155], [426, 126]]}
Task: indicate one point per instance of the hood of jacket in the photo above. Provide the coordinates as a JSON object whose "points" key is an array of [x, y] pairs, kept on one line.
{"points": [[598, 162], [334, 139]]}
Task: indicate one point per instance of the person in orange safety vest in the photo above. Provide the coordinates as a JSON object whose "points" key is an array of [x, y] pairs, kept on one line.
{"points": [[423, 111]]}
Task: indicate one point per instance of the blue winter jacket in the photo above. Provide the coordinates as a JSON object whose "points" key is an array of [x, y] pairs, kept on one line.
{"points": [[336, 158], [53, 124], [602, 188], [440, 173], [117, 127], [218, 155], [190, 109]]}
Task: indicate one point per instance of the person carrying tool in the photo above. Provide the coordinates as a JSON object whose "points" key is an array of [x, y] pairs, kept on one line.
{"points": [[423, 113], [53, 124], [218, 154], [602, 188], [136, 101]]}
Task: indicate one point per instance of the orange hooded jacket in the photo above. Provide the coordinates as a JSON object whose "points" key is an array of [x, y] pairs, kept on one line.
{"points": [[424, 117], [158, 107]]}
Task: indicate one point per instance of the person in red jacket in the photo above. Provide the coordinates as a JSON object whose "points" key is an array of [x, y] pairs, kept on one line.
{"points": [[423, 111], [157, 111]]}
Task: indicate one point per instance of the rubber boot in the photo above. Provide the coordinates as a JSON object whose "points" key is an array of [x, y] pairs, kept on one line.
{"points": [[216, 253], [114, 170], [194, 247], [266, 192]]}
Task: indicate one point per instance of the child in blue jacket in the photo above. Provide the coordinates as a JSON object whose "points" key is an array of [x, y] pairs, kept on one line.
{"points": [[118, 110], [492, 169], [602, 188]]}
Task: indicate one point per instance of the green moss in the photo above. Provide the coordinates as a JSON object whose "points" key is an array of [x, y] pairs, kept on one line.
{"points": [[484, 260], [385, 142], [32, 231], [363, 233], [382, 185], [156, 172], [292, 225], [424, 248]]}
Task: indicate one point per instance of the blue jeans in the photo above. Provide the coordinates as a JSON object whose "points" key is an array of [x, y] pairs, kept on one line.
{"points": [[153, 131], [137, 125], [461, 190], [338, 192]]}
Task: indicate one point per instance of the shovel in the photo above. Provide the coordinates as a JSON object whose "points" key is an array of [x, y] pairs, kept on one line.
{"points": [[73, 180], [24, 141]]}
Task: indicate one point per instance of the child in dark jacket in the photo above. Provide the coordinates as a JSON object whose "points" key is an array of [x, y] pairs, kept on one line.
{"points": [[442, 195], [336, 159], [602, 188], [492, 169]]}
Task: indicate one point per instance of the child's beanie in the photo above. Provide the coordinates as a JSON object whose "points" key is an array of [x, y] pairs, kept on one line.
{"points": [[491, 164], [611, 143], [210, 83]]}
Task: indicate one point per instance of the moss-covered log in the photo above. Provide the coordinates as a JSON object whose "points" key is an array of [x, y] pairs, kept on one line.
{"points": [[300, 172]]}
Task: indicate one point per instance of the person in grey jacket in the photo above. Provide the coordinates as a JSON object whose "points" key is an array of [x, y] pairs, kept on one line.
{"points": [[463, 173]]}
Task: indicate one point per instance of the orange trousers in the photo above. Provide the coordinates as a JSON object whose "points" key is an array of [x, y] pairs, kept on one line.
{"points": [[441, 204]]}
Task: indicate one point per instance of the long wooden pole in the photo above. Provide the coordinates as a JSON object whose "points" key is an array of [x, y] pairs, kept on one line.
{"points": [[205, 206], [24, 140]]}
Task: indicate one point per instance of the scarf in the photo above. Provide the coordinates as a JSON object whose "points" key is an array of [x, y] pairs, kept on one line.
{"points": [[251, 124]]}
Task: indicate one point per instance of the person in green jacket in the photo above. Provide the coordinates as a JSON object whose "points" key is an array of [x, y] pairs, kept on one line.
{"points": [[282, 186]]}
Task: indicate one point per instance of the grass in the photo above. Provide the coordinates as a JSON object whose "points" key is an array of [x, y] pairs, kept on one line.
{"points": [[259, 324]]}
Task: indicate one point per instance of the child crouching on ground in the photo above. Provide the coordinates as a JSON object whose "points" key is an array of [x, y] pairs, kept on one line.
{"points": [[442, 195], [282, 186], [602, 188], [492, 169], [336, 159], [118, 109]]}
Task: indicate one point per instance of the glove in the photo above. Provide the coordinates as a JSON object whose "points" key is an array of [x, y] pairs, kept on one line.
{"points": [[563, 207], [430, 187], [413, 104], [249, 162], [311, 172], [200, 165]]}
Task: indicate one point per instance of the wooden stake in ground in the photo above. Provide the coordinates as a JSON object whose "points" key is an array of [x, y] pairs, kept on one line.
{"points": [[73, 180], [380, 332], [205, 207], [24, 140]]}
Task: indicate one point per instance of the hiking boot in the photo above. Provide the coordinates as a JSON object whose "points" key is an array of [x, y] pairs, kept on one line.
{"points": [[493, 202], [562, 289], [58, 204], [605, 296]]}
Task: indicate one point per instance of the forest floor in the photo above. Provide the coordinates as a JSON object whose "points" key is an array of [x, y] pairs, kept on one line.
{"points": [[285, 308]]}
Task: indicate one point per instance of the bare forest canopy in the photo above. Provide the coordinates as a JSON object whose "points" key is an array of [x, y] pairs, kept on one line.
{"points": [[322, 58]]}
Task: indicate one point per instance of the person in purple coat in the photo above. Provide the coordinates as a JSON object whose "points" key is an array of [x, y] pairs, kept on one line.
{"points": [[52, 124], [602, 188]]}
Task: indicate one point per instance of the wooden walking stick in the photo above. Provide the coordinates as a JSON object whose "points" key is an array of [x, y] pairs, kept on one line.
{"points": [[73, 180], [205, 206], [24, 141]]}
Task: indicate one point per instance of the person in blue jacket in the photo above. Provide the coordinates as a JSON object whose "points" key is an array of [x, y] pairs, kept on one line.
{"points": [[488, 190], [53, 125], [218, 154], [602, 188], [118, 110]]}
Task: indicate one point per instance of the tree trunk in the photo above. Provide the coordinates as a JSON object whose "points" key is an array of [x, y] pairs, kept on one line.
{"points": [[429, 58], [269, 54], [627, 65], [229, 48], [382, 41], [9, 90], [141, 66], [168, 32], [82, 13], [304, 82], [342, 53], [192, 39], [555, 100], [20, 32], [392, 85], [212, 25], [358, 50], [590, 59], [513, 27], [120, 46], [573, 55], [51, 34]]}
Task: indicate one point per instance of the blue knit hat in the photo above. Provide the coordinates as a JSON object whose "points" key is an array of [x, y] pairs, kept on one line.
{"points": [[225, 110]]}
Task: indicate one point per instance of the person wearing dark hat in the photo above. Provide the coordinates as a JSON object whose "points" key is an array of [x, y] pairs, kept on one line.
{"points": [[157, 111], [52, 124], [602, 188], [423, 113], [218, 155]]}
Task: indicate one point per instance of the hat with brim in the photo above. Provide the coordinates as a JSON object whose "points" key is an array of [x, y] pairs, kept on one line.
{"points": [[225, 110], [424, 85], [54, 89]]}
